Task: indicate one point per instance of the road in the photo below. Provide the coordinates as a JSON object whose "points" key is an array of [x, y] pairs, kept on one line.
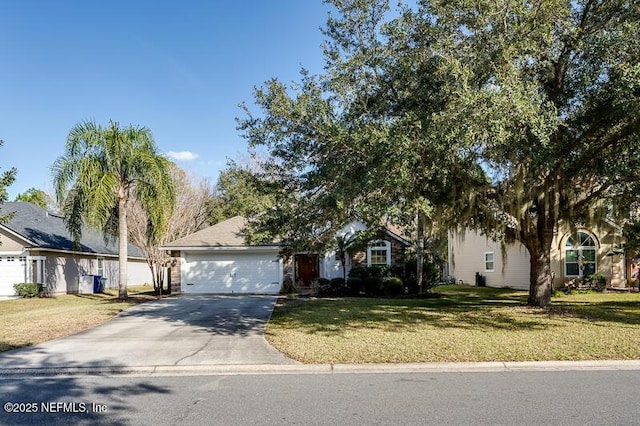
{"points": [[509, 398]]}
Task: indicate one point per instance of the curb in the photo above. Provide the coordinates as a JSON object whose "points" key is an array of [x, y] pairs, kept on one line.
{"points": [[251, 369]]}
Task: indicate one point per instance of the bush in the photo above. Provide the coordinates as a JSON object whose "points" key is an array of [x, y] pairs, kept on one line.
{"points": [[372, 286], [355, 286], [392, 287], [321, 287], [289, 286], [430, 276], [28, 289], [337, 287], [595, 282], [370, 279]]}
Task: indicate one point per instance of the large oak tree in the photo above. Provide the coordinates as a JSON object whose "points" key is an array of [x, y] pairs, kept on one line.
{"points": [[504, 116]]}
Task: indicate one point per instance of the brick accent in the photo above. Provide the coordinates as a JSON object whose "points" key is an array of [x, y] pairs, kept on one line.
{"points": [[174, 275], [359, 258]]}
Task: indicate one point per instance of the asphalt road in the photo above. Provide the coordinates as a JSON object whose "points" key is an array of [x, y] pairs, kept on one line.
{"points": [[504, 398]]}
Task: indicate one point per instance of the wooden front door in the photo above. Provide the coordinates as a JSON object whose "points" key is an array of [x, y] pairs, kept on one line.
{"points": [[306, 268]]}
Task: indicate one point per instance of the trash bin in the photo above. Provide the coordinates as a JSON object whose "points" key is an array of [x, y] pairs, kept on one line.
{"points": [[480, 280], [96, 283]]}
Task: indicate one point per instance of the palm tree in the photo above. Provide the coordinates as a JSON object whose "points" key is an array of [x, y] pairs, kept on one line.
{"points": [[102, 172]]}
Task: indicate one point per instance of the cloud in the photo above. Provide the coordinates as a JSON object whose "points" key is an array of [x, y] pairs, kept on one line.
{"points": [[182, 155]]}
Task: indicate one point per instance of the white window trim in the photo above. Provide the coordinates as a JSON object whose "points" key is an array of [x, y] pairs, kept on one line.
{"points": [[387, 248], [100, 260], [493, 260], [579, 249], [40, 263]]}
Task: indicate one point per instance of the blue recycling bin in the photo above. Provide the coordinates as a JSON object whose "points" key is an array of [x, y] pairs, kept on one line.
{"points": [[96, 283]]}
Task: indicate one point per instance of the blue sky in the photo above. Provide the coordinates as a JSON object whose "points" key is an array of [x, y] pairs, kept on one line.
{"points": [[180, 68]]}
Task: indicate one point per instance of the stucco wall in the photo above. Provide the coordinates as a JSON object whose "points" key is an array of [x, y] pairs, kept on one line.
{"points": [[63, 271], [467, 256], [9, 243]]}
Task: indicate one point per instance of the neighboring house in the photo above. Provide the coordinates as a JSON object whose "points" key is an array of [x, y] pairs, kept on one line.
{"points": [[219, 260], [36, 247], [573, 256]]}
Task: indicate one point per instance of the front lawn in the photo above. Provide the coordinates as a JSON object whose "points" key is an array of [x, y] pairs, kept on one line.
{"points": [[25, 322], [464, 324]]}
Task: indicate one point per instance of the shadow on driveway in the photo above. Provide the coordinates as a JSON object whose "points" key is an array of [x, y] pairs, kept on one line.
{"points": [[179, 331]]}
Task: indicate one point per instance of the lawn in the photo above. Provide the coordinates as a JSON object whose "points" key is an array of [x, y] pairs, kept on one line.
{"points": [[463, 324], [25, 322]]}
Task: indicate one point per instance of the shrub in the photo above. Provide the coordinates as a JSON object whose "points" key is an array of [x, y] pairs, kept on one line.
{"points": [[430, 276], [595, 282], [28, 289], [355, 286], [372, 286], [337, 287], [321, 287], [375, 271], [289, 286], [392, 286]]}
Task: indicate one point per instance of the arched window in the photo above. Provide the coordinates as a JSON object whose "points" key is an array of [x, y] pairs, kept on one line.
{"points": [[580, 255], [379, 253]]}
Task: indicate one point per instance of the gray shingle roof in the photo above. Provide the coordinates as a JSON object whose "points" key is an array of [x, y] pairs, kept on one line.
{"points": [[47, 230]]}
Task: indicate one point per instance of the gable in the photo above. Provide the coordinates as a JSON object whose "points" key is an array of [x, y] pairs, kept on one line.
{"points": [[10, 242]]}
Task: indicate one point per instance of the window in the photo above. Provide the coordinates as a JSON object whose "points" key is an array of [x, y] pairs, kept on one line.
{"points": [[100, 270], [489, 264], [379, 253], [580, 255]]}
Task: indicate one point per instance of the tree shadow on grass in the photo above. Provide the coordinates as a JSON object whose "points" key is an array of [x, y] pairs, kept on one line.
{"points": [[623, 312], [335, 317], [473, 308]]}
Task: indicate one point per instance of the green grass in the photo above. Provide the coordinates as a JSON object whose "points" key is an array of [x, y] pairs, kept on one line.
{"points": [[464, 324], [25, 322]]}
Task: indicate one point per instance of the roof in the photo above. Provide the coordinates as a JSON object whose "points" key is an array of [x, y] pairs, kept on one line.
{"points": [[397, 233], [228, 233], [46, 230]]}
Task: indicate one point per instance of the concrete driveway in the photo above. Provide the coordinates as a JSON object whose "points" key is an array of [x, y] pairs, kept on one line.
{"points": [[201, 330]]}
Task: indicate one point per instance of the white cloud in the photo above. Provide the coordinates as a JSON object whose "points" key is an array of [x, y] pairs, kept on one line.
{"points": [[182, 155]]}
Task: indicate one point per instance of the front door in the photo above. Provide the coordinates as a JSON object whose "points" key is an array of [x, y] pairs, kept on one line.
{"points": [[306, 268]]}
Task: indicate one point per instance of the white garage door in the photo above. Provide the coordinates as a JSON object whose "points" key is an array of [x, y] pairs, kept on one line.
{"points": [[12, 271], [231, 272]]}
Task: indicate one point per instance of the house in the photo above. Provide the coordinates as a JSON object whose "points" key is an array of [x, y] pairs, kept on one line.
{"points": [[580, 253], [35, 246], [219, 260]]}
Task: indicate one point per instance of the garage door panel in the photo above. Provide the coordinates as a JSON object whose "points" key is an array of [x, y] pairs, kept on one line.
{"points": [[12, 271], [231, 273]]}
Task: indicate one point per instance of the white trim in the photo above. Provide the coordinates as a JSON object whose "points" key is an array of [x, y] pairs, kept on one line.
{"points": [[387, 248], [221, 248], [493, 260], [397, 237], [83, 253], [579, 248]]}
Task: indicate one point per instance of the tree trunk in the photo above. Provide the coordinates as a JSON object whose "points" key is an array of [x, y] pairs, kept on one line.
{"points": [[122, 249], [420, 252], [538, 242], [540, 278]]}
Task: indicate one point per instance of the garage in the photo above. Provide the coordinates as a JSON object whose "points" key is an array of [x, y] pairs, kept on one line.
{"points": [[219, 260], [231, 272], [12, 271]]}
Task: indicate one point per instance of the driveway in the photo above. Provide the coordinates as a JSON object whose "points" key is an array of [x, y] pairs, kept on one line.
{"points": [[180, 331]]}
